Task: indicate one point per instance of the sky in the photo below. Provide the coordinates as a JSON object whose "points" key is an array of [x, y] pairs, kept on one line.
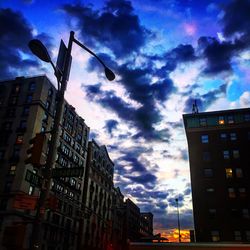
{"points": [[165, 54]]}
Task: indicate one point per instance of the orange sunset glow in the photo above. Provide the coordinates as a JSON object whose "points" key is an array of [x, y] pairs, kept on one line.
{"points": [[173, 235]]}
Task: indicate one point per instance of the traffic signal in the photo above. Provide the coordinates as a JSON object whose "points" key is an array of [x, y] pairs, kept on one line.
{"points": [[36, 150]]}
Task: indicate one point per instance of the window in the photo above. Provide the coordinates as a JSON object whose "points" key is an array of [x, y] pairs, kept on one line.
{"points": [[226, 154], [45, 117], [236, 154], [233, 137], [221, 120], [247, 117], [7, 126], [229, 173], [212, 212], [231, 193], [235, 213], [245, 213], [19, 139], [13, 100], [11, 112], [238, 173], [206, 156], [26, 110], [215, 236], [242, 192], [237, 235], [12, 170], [50, 93], [32, 86], [230, 119], [223, 136], [31, 190], [43, 129], [203, 122], [208, 172], [48, 105], [23, 124], [16, 89], [2, 154], [204, 138], [29, 98], [248, 235], [210, 190]]}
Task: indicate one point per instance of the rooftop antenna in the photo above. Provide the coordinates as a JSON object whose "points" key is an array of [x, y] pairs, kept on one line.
{"points": [[195, 108]]}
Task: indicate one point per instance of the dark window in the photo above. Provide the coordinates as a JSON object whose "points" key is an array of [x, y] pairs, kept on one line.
{"points": [[48, 105], [238, 173], [204, 138], [210, 190], [11, 112], [7, 126], [212, 212], [233, 136], [26, 110], [226, 154], [50, 93], [29, 98], [245, 213], [16, 89], [230, 119], [203, 122], [247, 117], [2, 152], [13, 100], [237, 235], [215, 235], [236, 154], [23, 124], [242, 192], [231, 193], [32, 86], [208, 172], [223, 136]]}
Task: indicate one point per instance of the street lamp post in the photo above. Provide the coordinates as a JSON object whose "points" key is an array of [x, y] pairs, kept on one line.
{"points": [[41, 52], [178, 219]]}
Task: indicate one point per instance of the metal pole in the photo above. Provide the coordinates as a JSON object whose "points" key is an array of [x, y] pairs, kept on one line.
{"points": [[55, 134], [84, 197], [178, 218]]}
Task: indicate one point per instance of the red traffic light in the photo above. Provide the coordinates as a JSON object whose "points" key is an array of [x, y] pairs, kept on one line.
{"points": [[36, 150]]}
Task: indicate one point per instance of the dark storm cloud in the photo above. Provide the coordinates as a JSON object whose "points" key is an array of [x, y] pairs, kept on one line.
{"points": [[217, 54], [15, 33], [116, 27], [236, 19], [111, 125], [169, 220], [203, 101], [143, 118]]}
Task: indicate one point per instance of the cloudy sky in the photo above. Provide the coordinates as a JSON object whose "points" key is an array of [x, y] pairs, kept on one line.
{"points": [[165, 54]]}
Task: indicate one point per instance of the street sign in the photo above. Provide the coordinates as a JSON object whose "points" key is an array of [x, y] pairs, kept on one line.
{"points": [[67, 172], [24, 201], [33, 179]]}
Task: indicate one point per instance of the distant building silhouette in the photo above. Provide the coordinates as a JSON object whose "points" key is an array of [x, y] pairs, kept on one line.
{"points": [[218, 145]]}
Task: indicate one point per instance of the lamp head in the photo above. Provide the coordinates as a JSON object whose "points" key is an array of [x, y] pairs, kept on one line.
{"points": [[38, 49], [109, 74]]}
